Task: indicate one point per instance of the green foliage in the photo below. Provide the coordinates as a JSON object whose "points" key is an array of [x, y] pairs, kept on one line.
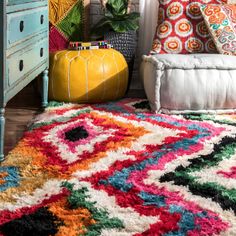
{"points": [[72, 24], [116, 18]]}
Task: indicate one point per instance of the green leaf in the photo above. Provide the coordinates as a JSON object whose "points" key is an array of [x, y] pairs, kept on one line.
{"points": [[133, 16], [131, 25], [116, 18], [117, 7], [123, 26], [118, 26]]}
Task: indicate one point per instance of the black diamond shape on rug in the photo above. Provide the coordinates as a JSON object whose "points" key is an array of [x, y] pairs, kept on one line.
{"points": [[76, 134], [142, 105], [40, 223]]}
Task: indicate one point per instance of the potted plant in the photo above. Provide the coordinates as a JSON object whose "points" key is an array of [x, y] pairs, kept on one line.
{"points": [[119, 26]]}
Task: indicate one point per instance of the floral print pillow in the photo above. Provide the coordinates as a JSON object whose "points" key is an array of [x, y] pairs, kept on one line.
{"points": [[221, 22], [181, 28]]}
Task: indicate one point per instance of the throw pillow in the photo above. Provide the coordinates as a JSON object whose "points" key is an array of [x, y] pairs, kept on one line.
{"points": [[65, 23], [181, 28], [221, 22]]}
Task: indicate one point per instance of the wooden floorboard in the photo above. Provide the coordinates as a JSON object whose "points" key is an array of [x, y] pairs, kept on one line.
{"points": [[22, 109], [19, 112]]}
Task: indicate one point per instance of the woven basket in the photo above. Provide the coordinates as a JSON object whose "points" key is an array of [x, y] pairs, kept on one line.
{"points": [[125, 43]]}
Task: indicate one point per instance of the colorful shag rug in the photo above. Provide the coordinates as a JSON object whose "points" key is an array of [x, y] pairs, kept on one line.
{"points": [[116, 169]]}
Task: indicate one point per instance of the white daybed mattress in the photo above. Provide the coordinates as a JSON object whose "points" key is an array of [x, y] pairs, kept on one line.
{"points": [[196, 83]]}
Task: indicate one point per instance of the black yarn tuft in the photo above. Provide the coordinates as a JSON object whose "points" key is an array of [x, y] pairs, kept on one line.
{"points": [[142, 105], [40, 223], [76, 134]]}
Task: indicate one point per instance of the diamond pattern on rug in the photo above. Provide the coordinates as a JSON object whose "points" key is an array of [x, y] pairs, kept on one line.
{"points": [[118, 169]]}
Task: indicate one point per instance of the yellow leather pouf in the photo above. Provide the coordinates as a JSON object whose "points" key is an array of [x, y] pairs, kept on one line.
{"points": [[87, 76]]}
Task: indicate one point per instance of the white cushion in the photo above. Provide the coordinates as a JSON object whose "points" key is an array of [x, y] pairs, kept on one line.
{"points": [[198, 83]]}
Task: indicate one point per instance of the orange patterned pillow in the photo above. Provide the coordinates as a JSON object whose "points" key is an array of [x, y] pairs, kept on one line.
{"points": [[181, 28], [221, 22]]}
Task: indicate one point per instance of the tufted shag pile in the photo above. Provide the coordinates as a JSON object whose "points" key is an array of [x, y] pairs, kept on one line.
{"points": [[116, 169]]}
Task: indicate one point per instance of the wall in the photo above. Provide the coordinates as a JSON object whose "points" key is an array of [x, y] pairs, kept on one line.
{"points": [[96, 13]]}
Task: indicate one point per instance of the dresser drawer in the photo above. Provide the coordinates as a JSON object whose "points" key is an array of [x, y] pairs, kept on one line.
{"points": [[24, 24], [21, 63], [16, 2]]}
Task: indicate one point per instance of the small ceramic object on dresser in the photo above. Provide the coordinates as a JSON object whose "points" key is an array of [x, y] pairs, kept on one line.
{"points": [[23, 51]]}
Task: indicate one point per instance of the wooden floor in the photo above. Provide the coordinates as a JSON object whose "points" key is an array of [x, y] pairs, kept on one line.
{"points": [[23, 107], [19, 112]]}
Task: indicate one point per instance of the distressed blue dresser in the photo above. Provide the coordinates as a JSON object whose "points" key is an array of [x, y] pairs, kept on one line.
{"points": [[23, 50]]}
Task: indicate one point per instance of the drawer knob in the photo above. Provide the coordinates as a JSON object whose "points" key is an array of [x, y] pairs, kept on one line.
{"points": [[41, 52], [21, 65], [21, 26], [41, 19]]}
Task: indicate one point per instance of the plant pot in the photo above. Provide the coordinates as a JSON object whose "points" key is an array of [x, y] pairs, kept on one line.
{"points": [[123, 42], [126, 44]]}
